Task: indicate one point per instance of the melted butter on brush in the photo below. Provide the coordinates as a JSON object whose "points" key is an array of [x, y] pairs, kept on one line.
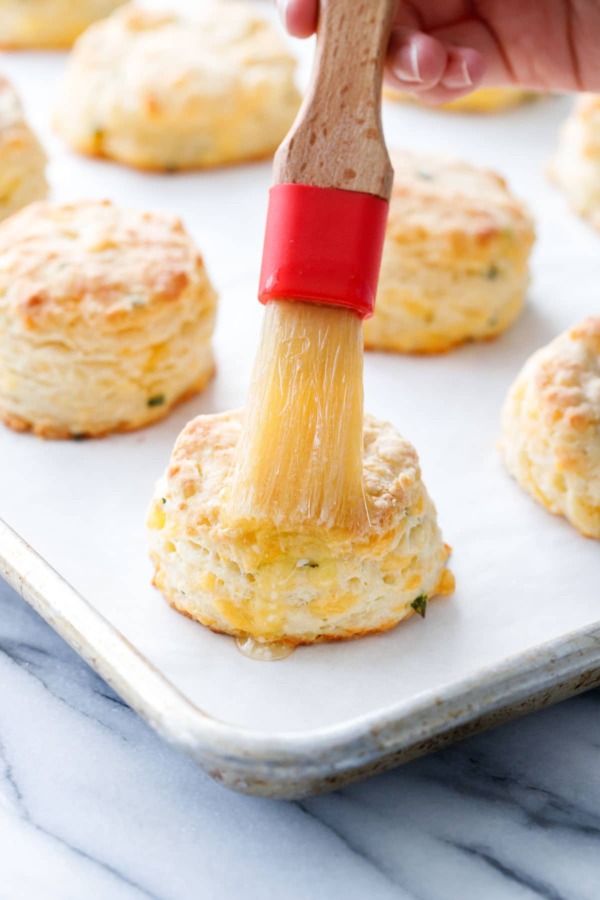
{"points": [[300, 453], [298, 473], [263, 652]]}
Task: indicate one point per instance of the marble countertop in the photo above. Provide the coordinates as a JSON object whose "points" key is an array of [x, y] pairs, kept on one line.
{"points": [[94, 805]]}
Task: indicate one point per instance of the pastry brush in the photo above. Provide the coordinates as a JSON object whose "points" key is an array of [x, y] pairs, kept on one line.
{"points": [[299, 457]]}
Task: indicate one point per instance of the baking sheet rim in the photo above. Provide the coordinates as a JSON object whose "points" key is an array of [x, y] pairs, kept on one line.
{"points": [[286, 763]]}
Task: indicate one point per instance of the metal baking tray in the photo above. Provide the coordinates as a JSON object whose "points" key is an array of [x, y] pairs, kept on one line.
{"points": [[523, 628]]}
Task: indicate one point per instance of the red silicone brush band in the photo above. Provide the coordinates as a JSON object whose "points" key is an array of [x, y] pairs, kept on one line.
{"points": [[323, 245]]}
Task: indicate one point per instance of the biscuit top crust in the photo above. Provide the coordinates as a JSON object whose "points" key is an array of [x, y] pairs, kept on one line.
{"points": [[566, 377], [205, 452], [437, 196], [93, 260], [165, 64]]}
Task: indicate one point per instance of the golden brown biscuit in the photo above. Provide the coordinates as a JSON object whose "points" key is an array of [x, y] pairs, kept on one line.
{"points": [[576, 165], [482, 100], [161, 91], [22, 160], [253, 580], [455, 259], [106, 318], [48, 24], [551, 427]]}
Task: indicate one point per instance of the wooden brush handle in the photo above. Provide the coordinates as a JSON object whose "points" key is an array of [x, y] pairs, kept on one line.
{"points": [[337, 139]]}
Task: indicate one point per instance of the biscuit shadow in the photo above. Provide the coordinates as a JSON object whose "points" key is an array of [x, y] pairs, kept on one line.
{"points": [[535, 328], [207, 402]]}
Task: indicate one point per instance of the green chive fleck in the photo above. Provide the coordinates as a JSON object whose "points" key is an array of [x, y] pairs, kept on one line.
{"points": [[426, 176], [157, 400], [420, 605], [492, 273], [164, 500]]}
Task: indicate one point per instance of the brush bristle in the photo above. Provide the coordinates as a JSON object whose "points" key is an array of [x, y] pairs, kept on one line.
{"points": [[300, 454]]}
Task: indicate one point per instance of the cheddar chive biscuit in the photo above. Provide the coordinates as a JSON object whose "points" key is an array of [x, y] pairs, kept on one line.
{"points": [[48, 24], [251, 579], [22, 159], [106, 317], [166, 92], [455, 259], [482, 100], [576, 165], [551, 427]]}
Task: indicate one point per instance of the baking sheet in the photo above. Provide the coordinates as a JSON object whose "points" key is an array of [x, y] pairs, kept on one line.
{"points": [[523, 576]]}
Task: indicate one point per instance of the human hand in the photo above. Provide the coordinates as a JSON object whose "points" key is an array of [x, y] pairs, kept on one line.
{"points": [[441, 51]]}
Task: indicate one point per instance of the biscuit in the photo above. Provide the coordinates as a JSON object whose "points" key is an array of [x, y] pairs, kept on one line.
{"points": [[22, 160], [48, 24], [576, 165], [482, 100], [551, 427], [455, 258], [253, 580], [161, 91], [106, 318], [490, 100]]}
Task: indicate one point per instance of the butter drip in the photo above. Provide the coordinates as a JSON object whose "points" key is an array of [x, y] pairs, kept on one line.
{"points": [[263, 652]]}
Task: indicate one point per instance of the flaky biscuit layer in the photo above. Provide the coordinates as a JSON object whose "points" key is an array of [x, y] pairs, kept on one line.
{"points": [[551, 427], [455, 259], [576, 164], [22, 159], [161, 91], [106, 317], [251, 579]]}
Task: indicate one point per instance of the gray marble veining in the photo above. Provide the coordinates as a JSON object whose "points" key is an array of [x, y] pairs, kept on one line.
{"points": [[93, 804]]}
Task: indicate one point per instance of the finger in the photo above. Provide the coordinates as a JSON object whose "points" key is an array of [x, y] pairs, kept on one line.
{"points": [[463, 73], [415, 61], [299, 16], [476, 34], [431, 15], [464, 69]]}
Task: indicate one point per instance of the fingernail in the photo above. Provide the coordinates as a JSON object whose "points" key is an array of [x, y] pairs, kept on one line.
{"points": [[406, 64], [459, 78], [282, 6]]}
